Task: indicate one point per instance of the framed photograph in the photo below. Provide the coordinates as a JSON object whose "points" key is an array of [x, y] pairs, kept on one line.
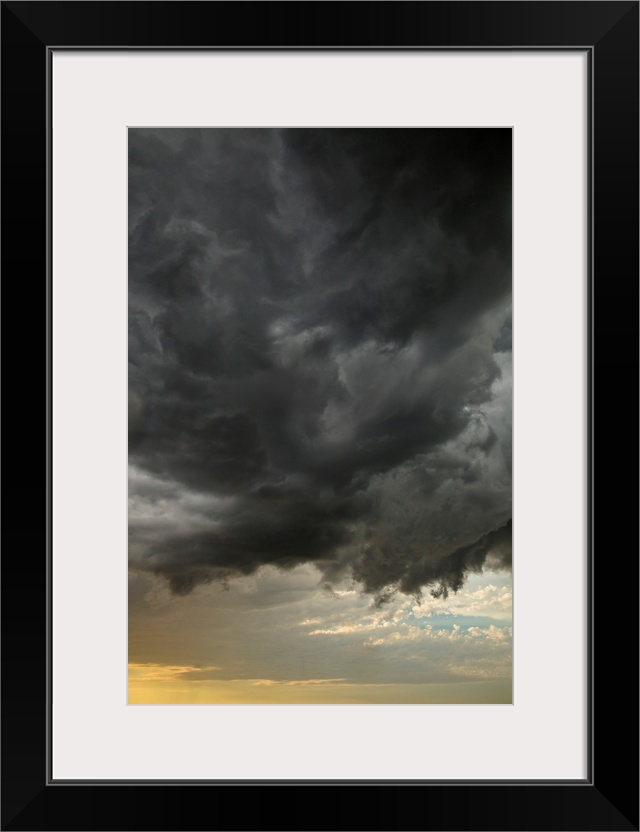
{"points": [[326, 295]]}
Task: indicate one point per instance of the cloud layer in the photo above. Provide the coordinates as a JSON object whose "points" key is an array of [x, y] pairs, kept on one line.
{"points": [[319, 354], [283, 627]]}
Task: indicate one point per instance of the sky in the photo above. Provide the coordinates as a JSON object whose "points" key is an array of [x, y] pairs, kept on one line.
{"points": [[320, 416]]}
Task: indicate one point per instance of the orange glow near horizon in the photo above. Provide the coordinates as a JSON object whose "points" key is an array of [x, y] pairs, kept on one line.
{"points": [[157, 684]]}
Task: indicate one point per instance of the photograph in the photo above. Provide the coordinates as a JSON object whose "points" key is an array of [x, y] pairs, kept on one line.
{"points": [[320, 415]]}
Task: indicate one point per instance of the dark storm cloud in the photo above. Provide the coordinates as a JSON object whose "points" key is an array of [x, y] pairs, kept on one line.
{"points": [[316, 319]]}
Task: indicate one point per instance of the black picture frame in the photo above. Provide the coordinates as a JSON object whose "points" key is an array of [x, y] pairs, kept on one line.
{"points": [[608, 798]]}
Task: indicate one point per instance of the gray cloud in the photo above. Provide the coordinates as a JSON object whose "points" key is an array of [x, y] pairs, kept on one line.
{"points": [[318, 325]]}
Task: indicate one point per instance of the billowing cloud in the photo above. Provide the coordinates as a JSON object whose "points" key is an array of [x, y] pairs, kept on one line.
{"points": [[319, 354]]}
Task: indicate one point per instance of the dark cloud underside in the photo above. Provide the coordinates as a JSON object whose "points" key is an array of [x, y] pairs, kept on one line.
{"points": [[320, 328]]}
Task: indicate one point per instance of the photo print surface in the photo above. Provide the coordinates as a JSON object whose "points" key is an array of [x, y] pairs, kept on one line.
{"points": [[320, 417]]}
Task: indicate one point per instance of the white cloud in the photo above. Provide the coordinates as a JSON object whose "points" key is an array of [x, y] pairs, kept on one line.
{"points": [[284, 626]]}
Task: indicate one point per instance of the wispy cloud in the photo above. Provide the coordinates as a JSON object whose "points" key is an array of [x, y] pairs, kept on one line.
{"points": [[297, 682], [154, 672]]}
